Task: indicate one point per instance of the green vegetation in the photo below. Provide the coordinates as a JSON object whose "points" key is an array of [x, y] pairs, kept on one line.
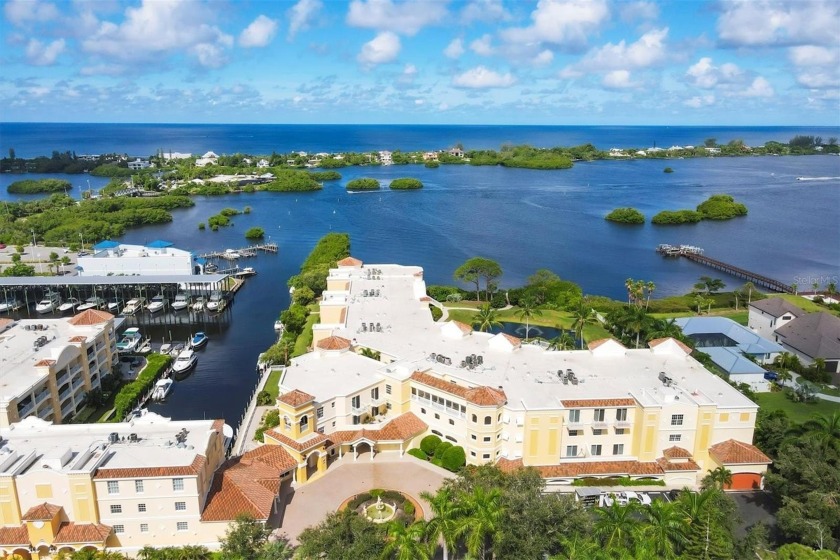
{"points": [[271, 419], [32, 186], [617, 481], [721, 207], [406, 183], [797, 412], [440, 453], [128, 396], [476, 269], [363, 184], [626, 216], [255, 233], [229, 212], [670, 217], [288, 180], [523, 156], [668, 170], [111, 170], [322, 176], [432, 164], [217, 221]]}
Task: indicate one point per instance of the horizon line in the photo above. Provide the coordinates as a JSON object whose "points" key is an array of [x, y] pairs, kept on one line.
{"points": [[430, 124]]}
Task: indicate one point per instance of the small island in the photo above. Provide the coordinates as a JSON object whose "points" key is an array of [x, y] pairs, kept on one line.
{"points": [[406, 184], [255, 233], [625, 216], [322, 176], [672, 217], [668, 170], [716, 207], [363, 184], [32, 186]]}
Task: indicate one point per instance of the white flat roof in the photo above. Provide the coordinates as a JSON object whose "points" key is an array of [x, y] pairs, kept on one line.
{"points": [[128, 251]]}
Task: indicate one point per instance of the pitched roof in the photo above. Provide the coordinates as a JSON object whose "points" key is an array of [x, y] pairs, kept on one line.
{"points": [[587, 468], [734, 452], [776, 307], [816, 335], [657, 341], [41, 512], [90, 317], [10, 536], [597, 403], [349, 261], [78, 533], [305, 444], [667, 465], [465, 328], [45, 362], [596, 343], [401, 428], [79, 338], [677, 453], [248, 484], [486, 396], [153, 472], [514, 340], [481, 395], [334, 343], [295, 398]]}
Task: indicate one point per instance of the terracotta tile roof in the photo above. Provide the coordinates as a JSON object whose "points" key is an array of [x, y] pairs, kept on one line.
{"points": [[82, 533], [734, 452], [481, 395], [349, 261], [589, 468], [486, 396], [10, 536], [4, 322], [44, 362], [90, 317], [677, 453], [646, 468], [79, 338], [596, 343], [152, 472], [218, 425], [515, 341], [41, 512], [667, 465], [401, 428], [465, 328], [425, 298], [295, 398], [304, 445], [598, 403], [334, 343], [657, 341]]}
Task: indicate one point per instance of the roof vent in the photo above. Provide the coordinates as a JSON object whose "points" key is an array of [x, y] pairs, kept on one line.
{"points": [[113, 437]]}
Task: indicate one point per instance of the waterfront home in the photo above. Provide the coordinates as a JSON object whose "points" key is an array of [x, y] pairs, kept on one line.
{"points": [[456, 152], [430, 156], [385, 158], [617, 152], [168, 156], [767, 315], [138, 164], [209, 158], [812, 336], [262, 164]]}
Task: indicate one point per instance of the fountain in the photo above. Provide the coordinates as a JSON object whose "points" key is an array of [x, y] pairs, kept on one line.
{"points": [[380, 512]]}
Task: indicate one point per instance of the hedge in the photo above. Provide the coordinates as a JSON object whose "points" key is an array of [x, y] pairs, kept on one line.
{"points": [[419, 453], [406, 183], [616, 481], [363, 184], [441, 449], [429, 443], [130, 393], [454, 458]]}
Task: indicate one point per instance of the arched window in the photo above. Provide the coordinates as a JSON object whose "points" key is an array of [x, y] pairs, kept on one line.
{"points": [[304, 422], [287, 422], [474, 418], [488, 420]]}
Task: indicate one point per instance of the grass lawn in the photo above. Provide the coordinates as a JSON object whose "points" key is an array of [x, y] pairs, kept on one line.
{"points": [[473, 304], [801, 302], [797, 412], [305, 339], [549, 318], [273, 383]]}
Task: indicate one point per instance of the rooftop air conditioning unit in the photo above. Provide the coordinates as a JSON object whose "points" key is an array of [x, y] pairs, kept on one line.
{"points": [[113, 437]]}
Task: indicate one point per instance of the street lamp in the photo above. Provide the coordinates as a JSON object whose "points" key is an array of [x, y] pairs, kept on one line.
{"points": [[34, 255]]}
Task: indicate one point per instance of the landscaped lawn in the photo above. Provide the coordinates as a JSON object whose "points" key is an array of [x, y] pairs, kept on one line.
{"points": [[305, 339], [549, 318], [801, 302], [273, 384], [797, 412], [741, 316]]}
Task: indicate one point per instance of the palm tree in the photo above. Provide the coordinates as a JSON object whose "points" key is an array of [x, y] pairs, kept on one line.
{"points": [[528, 310], [581, 317], [721, 477], [486, 318], [371, 353], [664, 527], [748, 287], [563, 341], [650, 287], [795, 288], [481, 518], [637, 321], [788, 361], [577, 548], [783, 376], [831, 289], [444, 525], [665, 328], [825, 429], [816, 286], [616, 524], [629, 285], [406, 542]]}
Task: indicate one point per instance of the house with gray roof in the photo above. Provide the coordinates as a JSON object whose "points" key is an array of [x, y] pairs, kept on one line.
{"points": [[767, 315], [812, 336]]}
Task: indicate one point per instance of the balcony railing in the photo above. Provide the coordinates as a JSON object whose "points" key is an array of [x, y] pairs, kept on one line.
{"points": [[26, 409], [438, 406], [62, 380], [623, 424], [63, 395], [42, 396]]}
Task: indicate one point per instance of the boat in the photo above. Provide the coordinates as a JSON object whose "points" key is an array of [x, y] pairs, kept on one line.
{"points": [[157, 304], [231, 254], [91, 303], [216, 302], [133, 306], [245, 272], [113, 305], [199, 304], [162, 388], [49, 304], [210, 268], [130, 341], [181, 301], [165, 348], [69, 304], [185, 361], [198, 340], [278, 326], [145, 347], [10, 304]]}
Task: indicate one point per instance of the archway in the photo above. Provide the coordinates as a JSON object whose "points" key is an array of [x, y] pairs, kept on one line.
{"points": [[312, 462], [21, 553], [363, 449]]}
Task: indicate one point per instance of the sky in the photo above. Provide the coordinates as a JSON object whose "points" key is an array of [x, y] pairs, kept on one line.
{"points": [[575, 62]]}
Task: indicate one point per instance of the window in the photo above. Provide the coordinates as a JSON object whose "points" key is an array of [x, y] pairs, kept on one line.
{"points": [[320, 412], [485, 456], [437, 433], [177, 484], [113, 487], [422, 411], [332, 404], [620, 431], [287, 422], [451, 422], [452, 439], [675, 437], [599, 415], [575, 432], [180, 506], [598, 432], [571, 451], [182, 526], [676, 419], [621, 414], [144, 527], [356, 418], [304, 422], [116, 508], [574, 416], [356, 401], [138, 486], [474, 418], [387, 389], [472, 453], [437, 416], [321, 430], [374, 393], [596, 450], [486, 439], [119, 529], [786, 317], [473, 436], [488, 420], [618, 449], [141, 508]]}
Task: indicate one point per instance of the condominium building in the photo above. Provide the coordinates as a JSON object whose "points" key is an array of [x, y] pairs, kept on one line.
{"points": [[158, 258], [47, 366], [383, 374]]}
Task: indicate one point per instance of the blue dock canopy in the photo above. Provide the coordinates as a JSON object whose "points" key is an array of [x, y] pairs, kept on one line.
{"points": [[108, 244], [159, 244]]}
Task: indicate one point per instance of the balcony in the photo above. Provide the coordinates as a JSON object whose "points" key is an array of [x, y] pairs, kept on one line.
{"points": [[62, 380], [22, 412], [438, 406], [359, 409], [76, 384], [42, 396], [599, 425], [623, 424], [64, 394]]}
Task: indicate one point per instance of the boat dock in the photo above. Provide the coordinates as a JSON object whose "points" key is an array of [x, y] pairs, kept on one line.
{"points": [[696, 254], [249, 251]]}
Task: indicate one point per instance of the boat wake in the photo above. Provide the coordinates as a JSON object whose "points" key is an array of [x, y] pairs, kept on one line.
{"points": [[817, 178]]}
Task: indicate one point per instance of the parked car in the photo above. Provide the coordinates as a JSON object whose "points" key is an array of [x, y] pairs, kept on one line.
{"points": [[770, 375]]}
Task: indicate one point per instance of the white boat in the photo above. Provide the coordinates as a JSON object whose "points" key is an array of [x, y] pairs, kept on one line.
{"points": [[278, 326], [162, 388], [216, 302], [157, 304], [198, 340], [133, 306], [130, 341], [10, 304], [49, 304], [145, 347], [245, 272], [181, 301], [199, 304], [91, 303], [69, 304], [185, 361], [231, 254], [113, 305]]}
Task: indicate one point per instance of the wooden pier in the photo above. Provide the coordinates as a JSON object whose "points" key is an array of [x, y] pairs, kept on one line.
{"points": [[696, 254], [248, 251]]}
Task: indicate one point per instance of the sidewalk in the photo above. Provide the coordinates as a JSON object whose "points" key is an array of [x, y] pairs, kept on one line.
{"points": [[823, 396]]}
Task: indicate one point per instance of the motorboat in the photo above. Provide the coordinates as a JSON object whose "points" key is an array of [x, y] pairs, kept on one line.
{"points": [[145, 347], [231, 254], [181, 301], [10, 304], [69, 305], [133, 306], [199, 304], [113, 305], [157, 304], [130, 341], [245, 272], [185, 361], [210, 268], [91, 303], [198, 340], [278, 326], [216, 302], [49, 304], [162, 388]]}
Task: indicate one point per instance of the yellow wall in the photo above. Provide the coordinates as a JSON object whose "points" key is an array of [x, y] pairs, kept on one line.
{"points": [[83, 497], [543, 438], [338, 284], [9, 508], [645, 434], [333, 314], [706, 416]]}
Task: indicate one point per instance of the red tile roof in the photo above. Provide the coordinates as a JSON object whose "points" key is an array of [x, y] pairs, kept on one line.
{"points": [[597, 403], [304, 445], [152, 472], [334, 343], [349, 261], [465, 328], [515, 341], [401, 428], [90, 317], [678, 466], [734, 452], [486, 396], [41, 512], [657, 341], [11, 536], [677, 453], [79, 338], [82, 533], [44, 362], [588, 468], [596, 343], [295, 398], [481, 395]]}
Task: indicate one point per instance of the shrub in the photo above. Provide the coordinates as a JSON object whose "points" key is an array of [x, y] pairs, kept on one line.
{"points": [[721, 207], [408, 508], [264, 398], [419, 453], [201, 225], [363, 184], [441, 449], [406, 183], [436, 462], [429, 443], [626, 216], [454, 458], [376, 493], [670, 217], [130, 393], [255, 233], [432, 164], [436, 313], [229, 212], [246, 210], [290, 180]]}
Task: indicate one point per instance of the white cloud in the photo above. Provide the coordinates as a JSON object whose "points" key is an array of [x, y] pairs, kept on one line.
{"points": [[483, 78], [633, 11], [482, 46], [543, 58], [700, 101], [301, 16], [816, 67], [484, 10], [566, 23], [259, 33], [381, 49], [759, 87], [22, 12], [618, 79], [454, 49], [409, 70], [704, 74], [42, 54], [648, 51], [756, 23], [406, 18]]}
